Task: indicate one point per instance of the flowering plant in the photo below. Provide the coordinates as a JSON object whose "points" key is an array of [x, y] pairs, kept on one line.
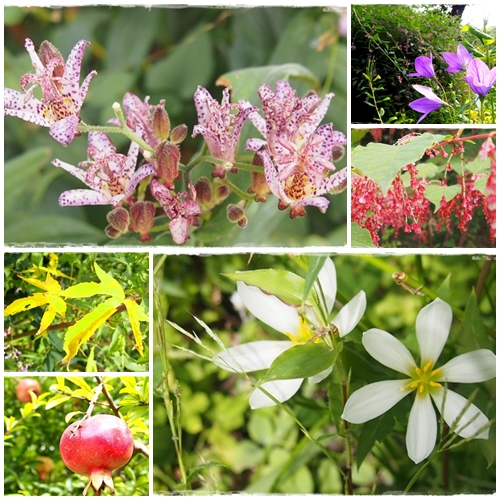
{"points": [[175, 179]]}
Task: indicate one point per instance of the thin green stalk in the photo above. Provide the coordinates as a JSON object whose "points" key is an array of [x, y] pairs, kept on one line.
{"points": [[237, 190]]}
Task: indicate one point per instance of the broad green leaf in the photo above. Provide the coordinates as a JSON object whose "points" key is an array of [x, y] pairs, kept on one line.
{"points": [[245, 82], [134, 311], [382, 162], [136, 413], [108, 284], [435, 194], [479, 166], [360, 237], [474, 334], [301, 361], [83, 329], [285, 285]]}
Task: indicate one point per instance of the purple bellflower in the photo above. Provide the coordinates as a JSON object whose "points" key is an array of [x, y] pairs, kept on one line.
{"points": [[424, 67], [220, 126], [59, 108], [458, 62], [430, 102], [110, 175], [296, 153], [480, 78]]}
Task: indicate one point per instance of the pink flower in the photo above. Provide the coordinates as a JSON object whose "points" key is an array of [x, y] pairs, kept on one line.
{"points": [[220, 125], [181, 208], [110, 175], [297, 155], [59, 108]]}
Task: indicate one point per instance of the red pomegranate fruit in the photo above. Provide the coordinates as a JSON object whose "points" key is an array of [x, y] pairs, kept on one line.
{"points": [[96, 448], [44, 467], [24, 386]]}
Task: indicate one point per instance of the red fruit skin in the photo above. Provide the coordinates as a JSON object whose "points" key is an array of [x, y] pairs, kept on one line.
{"points": [[101, 444], [23, 388]]}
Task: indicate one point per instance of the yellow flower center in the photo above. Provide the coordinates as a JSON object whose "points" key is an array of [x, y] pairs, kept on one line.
{"points": [[303, 335], [424, 380]]}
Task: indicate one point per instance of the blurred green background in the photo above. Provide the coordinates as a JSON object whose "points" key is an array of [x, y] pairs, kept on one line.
{"points": [[165, 53]]}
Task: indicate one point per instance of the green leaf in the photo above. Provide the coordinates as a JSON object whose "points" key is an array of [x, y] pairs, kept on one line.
{"points": [[301, 361], [435, 194], [360, 237], [479, 166], [285, 285], [315, 264], [381, 162], [474, 334], [91, 365], [56, 400]]}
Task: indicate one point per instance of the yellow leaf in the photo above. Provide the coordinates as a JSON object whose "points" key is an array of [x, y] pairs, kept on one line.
{"points": [[80, 382], [36, 300], [108, 284], [82, 290], [56, 306], [136, 314], [49, 285], [83, 329]]}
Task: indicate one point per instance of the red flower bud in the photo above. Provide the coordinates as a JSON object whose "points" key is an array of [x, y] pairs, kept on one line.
{"points": [[142, 214], [168, 157], [119, 219], [179, 133], [161, 121], [203, 188], [235, 213]]}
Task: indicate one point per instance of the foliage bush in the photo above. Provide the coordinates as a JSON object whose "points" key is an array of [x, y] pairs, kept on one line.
{"points": [[113, 347]]}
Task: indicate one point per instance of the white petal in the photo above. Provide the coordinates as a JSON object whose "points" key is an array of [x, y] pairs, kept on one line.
{"points": [[422, 429], [82, 197], [388, 350], [350, 315], [316, 379], [326, 286], [475, 366], [269, 309], [251, 356], [433, 327], [453, 407], [280, 389], [374, 399]]}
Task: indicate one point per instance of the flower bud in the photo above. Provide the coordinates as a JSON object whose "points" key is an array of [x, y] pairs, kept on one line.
{"points": [[235, 213], [179, 133], [338, 152], [111, 232], [47, 52], [243, 222], [259, 187], [297, 211], [168, 157], [161, 121], [119, 220], [203, 188], [222, 192], [142, 214]]}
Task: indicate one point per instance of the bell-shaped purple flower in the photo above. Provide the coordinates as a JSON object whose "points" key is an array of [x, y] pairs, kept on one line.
{"points": [[430, 102], [424, 67], [480, 78], [458, 62]]}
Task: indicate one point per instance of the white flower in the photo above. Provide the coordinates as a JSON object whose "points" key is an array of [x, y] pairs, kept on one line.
{"points": [[287, 320], [433, 327]]}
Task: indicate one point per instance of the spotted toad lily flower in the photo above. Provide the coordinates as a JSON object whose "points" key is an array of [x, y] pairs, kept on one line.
{"points": [[296, 153], [220, 125], [424, 67], [480, 78], [181, 208], [297, 327], [431, 102], [458, 62], [59, 108], [110, 175], [433, 327]]}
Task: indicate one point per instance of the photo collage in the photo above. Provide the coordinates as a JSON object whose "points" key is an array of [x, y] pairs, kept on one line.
{"points": [[249, 250]]}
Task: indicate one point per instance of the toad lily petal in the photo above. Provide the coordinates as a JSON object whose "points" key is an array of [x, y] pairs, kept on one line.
{"points": [[465, 419]]}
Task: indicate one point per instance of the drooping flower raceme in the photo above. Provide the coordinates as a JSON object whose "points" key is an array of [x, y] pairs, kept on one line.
{"points": [[220, 125], [431, 102], [480, 78], [110, 175], [297, 152], [423, 67], [59, 108], [433, 327], [298, 327], [458, 62]]}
